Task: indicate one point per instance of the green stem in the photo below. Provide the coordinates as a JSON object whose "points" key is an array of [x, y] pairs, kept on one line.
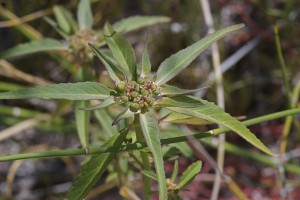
{"points": [[144, 156], [141, 145]]}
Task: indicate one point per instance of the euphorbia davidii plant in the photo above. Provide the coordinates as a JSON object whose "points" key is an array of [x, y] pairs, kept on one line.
{"points": [[139, 93]]}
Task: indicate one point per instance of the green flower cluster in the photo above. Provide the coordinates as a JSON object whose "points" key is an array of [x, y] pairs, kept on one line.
{"points": [[140, 94]]}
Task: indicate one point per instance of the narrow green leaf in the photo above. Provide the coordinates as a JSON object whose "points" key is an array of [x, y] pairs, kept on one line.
{"points": [[178, 118], [82, 122], [146, 65], [211, 112], [150, 174], [84, 15], [121, 50], [179, 101], [171, 66], [54, 25], [105, 120], [169, 90], [175, 171], [93, 169], [150, 130], [120, 115], [62, 20], [107, 102], [111, 68], [45, 44], [189, 174], [70, 91], [137, 22]]}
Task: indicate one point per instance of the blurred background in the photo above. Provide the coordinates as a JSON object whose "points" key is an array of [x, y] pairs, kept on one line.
{"points": [[253, 86]]}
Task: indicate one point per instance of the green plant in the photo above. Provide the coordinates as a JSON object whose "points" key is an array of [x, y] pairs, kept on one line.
{"points": [[141, 95]]}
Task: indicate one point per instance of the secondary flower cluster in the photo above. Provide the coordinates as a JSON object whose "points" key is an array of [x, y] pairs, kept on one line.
{"points": [[139, 94]]}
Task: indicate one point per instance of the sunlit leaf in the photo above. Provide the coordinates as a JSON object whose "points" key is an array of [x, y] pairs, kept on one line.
{"points": [[121, 50], [171, 66], [150, 131], [93, 169], [211, 112], [189, 174], [84, 15], [45, 44], [137, 22], [70, 91]]}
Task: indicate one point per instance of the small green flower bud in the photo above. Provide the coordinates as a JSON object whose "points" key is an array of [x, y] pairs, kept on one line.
{"points": [[144, 92], [135, 100], [134, 107], [121, 85], [124, 98], [134, 94], [141, 81], [144, 110], [151, 102], [156, 91]]}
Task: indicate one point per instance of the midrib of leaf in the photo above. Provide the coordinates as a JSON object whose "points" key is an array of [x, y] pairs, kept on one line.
{"points": [[177, 62], [151, 134]]}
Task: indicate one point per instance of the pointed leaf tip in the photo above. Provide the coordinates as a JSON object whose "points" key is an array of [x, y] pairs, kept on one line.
{"points": [[171, 66]]}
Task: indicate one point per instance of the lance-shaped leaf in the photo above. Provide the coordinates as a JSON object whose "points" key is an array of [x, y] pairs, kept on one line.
{"points": [[70, 91], [175, 171], [121, 50], [45, 44], [82, 122], [170, 67], [105, 120], [189, 174], [84, 15], [211, 112], [169, 90], [146, 65], [125, 113], [178, 118], [150, 131], [93, 169], [107, 102], [179, 101], [137, 22], [62, 20], [111, 68]]}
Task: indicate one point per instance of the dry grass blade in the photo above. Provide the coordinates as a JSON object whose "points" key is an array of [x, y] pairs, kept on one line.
{"points": [[24, 28], [28, 123], [8, 70], [17, 164], [27, 18]]}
